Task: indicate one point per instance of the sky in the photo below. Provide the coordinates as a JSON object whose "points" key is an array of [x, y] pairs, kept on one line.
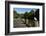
{"points": [[22, 10]]}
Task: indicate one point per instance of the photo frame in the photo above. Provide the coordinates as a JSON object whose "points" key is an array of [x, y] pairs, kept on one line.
{"points": [[35, 23]]}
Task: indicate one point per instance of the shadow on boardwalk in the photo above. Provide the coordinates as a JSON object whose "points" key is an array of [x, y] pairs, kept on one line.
{"points": [[21, 23]]}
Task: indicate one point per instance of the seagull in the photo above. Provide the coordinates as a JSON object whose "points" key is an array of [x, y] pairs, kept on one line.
{"points": [[35, 18]]}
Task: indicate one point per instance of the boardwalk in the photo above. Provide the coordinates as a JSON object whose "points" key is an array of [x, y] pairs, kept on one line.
{"points": [[19, 23]]}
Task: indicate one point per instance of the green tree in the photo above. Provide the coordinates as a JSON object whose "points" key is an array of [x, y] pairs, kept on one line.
{"points": [[31, 18], [15, 14], [31, 14], [26, 16]]}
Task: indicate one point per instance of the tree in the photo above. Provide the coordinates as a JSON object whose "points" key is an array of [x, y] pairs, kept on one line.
{"points": [[31, 18], [37, 14], [15, 14], [31, 15], [26, 16]]}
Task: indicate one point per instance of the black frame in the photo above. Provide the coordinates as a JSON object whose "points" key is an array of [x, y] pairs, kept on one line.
{"points": [[7, 20]]}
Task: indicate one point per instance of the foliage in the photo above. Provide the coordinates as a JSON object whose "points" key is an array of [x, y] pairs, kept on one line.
{"points": [[15, 14], [37, 14], [27, 15]]}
